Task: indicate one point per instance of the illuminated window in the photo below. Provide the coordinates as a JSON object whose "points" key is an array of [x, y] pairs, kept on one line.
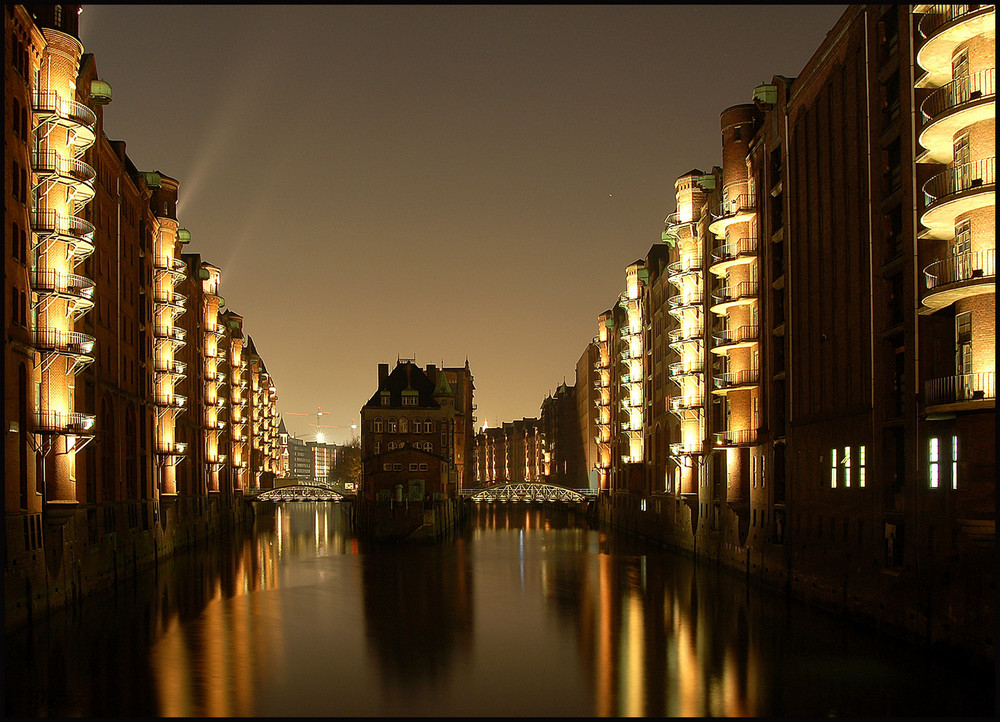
{"points": [[847, 466], [833, 468], [954, 462], [414, 467], [934, 458], [404, 426], [397, 467], [393, 427], [377, 425], [861, 467], [377, 448], [386, 466]]}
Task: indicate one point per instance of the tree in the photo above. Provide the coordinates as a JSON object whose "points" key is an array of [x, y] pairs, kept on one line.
{"points": [[345, 474]]}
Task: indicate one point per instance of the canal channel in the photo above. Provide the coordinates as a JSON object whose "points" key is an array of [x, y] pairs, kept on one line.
{"points": [[526, 611]]}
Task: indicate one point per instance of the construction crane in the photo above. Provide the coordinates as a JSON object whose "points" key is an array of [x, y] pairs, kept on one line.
{"points": [[319, 414]]}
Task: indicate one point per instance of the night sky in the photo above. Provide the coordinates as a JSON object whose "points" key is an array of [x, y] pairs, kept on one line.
{"points": [[439, 183]]}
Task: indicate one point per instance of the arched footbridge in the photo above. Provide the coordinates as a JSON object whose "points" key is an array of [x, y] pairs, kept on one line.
{"points": [[298, 492], [527, 492]]}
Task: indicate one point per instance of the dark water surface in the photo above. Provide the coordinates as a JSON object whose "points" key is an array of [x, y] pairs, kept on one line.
{"points": [[525, 613]]}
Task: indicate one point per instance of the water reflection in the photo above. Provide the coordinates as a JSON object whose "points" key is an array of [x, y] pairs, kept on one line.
{"points": [[526, 613]]}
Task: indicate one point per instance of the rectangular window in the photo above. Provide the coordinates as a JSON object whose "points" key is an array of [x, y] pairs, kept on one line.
{"points": [[833, 468], [861, 467], [933, 456], [423, 467], [387, 466], [414, 467], [954, 462], [963, 343], [397, 467], [847, 467]]}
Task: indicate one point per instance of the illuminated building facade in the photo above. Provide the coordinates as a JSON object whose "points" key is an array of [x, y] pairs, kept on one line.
{"points": [[408, 438], [115, 341], [833, 332]]}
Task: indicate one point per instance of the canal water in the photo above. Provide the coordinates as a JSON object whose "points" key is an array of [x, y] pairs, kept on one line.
{"points": [[524, 612]]}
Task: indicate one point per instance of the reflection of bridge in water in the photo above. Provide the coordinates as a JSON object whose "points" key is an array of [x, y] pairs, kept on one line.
{"points": [[527, 492], [299, 492]]}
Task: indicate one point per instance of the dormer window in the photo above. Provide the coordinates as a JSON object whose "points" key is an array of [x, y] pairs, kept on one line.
{"points": [[385, 398], [410, 397]]}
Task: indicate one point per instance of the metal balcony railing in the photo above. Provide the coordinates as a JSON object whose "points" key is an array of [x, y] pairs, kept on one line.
{"points": [[170, 263], [744, 289], [49, 162], [968, 266], [175, 333], [737, 378], [731, 336], [979, 174], [170, 298], [968, 89], [171, 448], [63, 422], [686, 401], [940, 15], [964, 387], [169, 366], [51, 222], [740, 437], [680, 368], [173, 401], [46, 281], [684, 449], [744, 202], [683, 300], [743, 247], [68, 342], [682, 335], [48, 103]]}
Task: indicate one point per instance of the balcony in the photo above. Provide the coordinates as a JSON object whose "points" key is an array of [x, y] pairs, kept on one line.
{"points": [[678, 271], [75, 175], [944, 28], [169, 366], [739, 209], [685, 402], [740, 437], [958, 190], [736, 380], [77, 290], [75, 232], [952, 107], [65, 343], [685, 302], [63, 422], [960, 276], [169, 333], [736, 253], [732, 338], [686, 449], [176, 301], [76, 117], [738, 295], [967, 392], [216, 331], [171, 448], [680, 337], [680, 369], [170, 265], [170, 401]]}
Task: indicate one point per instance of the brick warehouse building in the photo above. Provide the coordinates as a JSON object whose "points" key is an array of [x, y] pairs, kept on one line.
{"points": [[117, 352], [830, 325]]}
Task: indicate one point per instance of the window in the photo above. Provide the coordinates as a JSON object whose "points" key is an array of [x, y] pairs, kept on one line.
{"points": [[387, 466], [397, 467], [954, 462], [960, 65], [413, 467], [377, 447], [385, 398], [428, 426], [933, 456], [393, 427], [963, 343], [409, 399], [833, 468], [377, 425], [404, 426], [423, 467], [861, 467], [847, 467]]}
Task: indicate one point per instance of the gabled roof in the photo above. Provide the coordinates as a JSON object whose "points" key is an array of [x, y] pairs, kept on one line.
{"points": [[406, 376]]}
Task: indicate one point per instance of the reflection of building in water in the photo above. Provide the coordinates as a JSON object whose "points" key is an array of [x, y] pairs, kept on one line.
{"points": [[418, 609]]}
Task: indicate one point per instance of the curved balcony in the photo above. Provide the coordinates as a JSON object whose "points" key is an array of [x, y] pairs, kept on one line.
{"points": [[169, 333], [740, 437], [171, 448], [170, 401], [965, 390], [736, 380], [686, 449], [679, 271], [952, 107], [65, 343], [172, 299], [63, 422], [680, 337], [958, 190], [728, 296], [76, 117], [75, 175], [685, 302], [170, 265], [169, 366], [738, 252], [944, 28], [75, 289], [739, 209], [75, 232], [629, 403], [216, 331], [685, 402], [681, 369], [960, 276], [731, 338]]}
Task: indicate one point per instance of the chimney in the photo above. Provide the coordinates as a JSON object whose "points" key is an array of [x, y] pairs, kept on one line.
{"points": [[383, 374]]}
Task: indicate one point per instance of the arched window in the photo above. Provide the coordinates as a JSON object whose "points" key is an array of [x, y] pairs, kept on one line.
{"points": [[404, 426], [377, 425], [428, 426], [392, 425]]}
